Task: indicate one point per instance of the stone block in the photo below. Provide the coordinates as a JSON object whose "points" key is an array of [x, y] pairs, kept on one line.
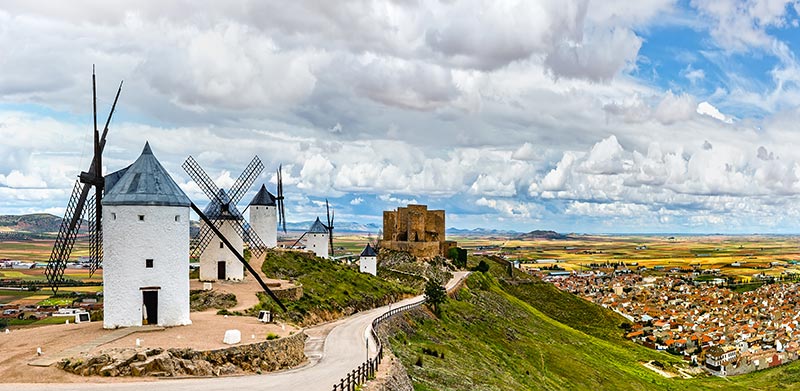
{"points": [[232, 337]]}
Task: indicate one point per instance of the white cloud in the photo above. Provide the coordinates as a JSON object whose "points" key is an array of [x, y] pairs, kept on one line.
{"points": [[356, 201], [368, 99], [18, 180], [515, 209], [614, 209], [605, 157], [492, 186], [675, 108], [395, 200], [708, 109]]}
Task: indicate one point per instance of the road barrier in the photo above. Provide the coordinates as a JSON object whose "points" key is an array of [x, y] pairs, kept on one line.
{"points": [[367, 370]]}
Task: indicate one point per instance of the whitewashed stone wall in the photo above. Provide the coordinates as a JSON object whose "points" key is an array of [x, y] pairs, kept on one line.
{"points": [[215, 253], [368, 265], [162, 236], [264, 221], [318, 243]]}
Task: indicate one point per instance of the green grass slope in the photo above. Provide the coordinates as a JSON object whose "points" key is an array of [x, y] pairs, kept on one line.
{"points": [[330, 289], [517, 335]]}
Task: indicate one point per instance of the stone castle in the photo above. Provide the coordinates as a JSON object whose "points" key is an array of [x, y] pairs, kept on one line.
{"points": [[416, 230]]}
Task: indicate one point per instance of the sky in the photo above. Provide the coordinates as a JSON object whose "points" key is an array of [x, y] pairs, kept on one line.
{"points": [[611, 116]]}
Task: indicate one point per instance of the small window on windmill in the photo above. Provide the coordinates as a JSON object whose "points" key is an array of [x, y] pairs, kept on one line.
{"points": [[221, 245], [113, 216], [148, 263], [141, 217], [177, 218]]}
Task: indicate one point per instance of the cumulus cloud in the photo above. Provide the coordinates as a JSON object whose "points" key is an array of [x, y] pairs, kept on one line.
{"points": [[395, 200], [511, 208], [408, 101], [708, 109]]}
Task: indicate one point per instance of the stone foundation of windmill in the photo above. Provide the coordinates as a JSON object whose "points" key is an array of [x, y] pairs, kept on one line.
{"points": [[267, 356]]}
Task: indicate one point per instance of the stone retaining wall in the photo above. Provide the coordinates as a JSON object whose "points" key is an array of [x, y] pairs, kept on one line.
{"points": [[391, 376], [259, 357], [289, 294]]}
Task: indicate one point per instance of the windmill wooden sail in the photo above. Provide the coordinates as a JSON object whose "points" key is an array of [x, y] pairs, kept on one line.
{"points": [[83, 206]]}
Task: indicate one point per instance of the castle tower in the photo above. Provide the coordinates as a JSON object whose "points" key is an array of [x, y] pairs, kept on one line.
{"points": [[264, 217], [216, 261], [146, 247], [317, 239], [368, 261]]}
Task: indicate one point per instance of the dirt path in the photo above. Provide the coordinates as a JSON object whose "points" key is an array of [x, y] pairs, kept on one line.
{"points": [[246, 289]]}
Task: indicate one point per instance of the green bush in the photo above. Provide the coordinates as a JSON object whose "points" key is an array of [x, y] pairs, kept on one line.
{"points": [[482, 267], [271, 336]]}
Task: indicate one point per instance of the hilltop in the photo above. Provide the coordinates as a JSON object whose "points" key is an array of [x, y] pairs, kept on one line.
{"points": [[32, 223], [540, 234], [502, 333], [331, 290]]}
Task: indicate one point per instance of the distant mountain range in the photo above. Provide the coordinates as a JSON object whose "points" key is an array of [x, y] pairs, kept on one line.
{"points": [[39, 224], [343, 226], [33, 223], [480, 232]]}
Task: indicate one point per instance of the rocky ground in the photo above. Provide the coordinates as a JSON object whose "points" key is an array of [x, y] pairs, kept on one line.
{"points": [[19, 346], [259, 357]]}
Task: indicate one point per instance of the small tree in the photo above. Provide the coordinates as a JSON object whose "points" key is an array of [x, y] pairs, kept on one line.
{"points": [[435, 295], [482, 267], [458, 256]]}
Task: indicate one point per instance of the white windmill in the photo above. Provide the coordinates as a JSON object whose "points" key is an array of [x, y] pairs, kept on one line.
{"points": [[146, 247], [267, 213]]}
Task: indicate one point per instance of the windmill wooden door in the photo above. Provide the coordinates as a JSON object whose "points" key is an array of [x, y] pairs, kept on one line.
{"points": [[150, 308], [221, 272]]}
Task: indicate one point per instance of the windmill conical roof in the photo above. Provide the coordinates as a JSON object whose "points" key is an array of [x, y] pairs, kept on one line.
{"points": [[318, 228], [145, 182], [369, 251], [215, 212], [263, 198]]}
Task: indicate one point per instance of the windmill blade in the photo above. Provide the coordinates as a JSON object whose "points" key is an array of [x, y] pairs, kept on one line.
{"points": [[279, 198], [250, 237], [67, 233], [95, 240], [202, 179], [330, 234], [241, 259], [299, 239], [206, 233], [108, 120], [202, 241], [328, 213], [243, 183]]}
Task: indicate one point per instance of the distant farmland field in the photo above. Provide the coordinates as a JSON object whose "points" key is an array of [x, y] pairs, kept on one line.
{"points": [[736, 256]]}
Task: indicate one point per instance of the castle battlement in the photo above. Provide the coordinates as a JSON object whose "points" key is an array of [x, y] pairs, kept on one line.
{"points": [[416, 230]]}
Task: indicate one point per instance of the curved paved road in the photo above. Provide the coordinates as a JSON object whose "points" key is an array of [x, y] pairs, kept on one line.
{"points": [[343, 350]]}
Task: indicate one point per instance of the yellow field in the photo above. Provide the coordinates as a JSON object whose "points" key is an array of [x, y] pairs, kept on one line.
{"points": [[753, 253]]}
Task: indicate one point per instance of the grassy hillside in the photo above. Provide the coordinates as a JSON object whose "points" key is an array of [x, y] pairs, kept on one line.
{"points": [[518, 335], [330, 289]]}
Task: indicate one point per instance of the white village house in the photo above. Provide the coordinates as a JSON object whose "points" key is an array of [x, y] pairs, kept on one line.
{"points": [[264, 217], [146, 247], [368, 261], [216, 261]]}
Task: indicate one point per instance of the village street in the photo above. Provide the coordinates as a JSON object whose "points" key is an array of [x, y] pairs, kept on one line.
{"points": [[344, 348]]}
